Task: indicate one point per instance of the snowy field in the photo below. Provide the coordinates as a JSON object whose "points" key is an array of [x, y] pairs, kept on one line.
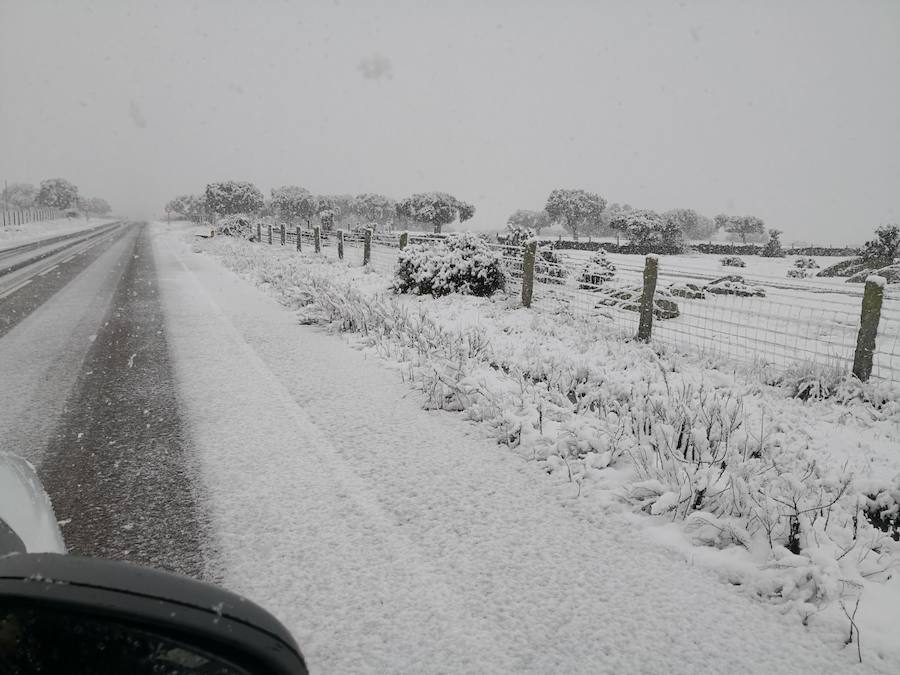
{"points": [[28, 232], [595, 531], [809, 324]]}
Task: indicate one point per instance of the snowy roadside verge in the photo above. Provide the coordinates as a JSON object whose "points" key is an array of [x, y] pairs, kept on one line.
{"points": [[30, 232], [608, 419]]}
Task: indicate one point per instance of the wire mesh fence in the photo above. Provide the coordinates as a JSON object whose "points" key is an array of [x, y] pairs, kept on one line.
{"points": [[763, 320]]}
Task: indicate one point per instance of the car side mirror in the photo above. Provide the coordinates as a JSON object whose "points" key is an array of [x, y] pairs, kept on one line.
{"points": [[79, 615]]}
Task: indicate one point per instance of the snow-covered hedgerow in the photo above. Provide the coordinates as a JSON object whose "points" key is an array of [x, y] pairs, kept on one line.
{"points": [[757, 479], [598, 270], [460, 263]]}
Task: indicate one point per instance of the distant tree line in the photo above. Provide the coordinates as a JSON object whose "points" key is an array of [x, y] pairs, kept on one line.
{"points": [[55, 193], [296, 204]]}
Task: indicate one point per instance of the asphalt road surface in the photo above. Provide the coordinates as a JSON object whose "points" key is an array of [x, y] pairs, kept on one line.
{"points": [[88, 396]]}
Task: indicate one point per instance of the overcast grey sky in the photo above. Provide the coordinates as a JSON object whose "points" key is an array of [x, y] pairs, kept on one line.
{"points": [[786, 110]]}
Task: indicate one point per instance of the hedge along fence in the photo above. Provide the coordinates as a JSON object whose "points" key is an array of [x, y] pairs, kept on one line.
{"points": [[11, 218], [773, 325]]}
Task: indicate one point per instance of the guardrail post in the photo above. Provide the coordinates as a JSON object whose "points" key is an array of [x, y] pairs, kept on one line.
{"points": [[528, 257], [868, 327], [317, 238], [645, 328], [270, 234], [299, 245], [340, 236], [367, 247], [404, 240]]}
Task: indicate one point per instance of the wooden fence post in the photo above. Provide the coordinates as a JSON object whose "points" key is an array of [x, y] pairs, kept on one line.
{"points": [[317, 238], [528, 272], [270, 234], [340, 236], [645, 328], [868, 327], [367, 247], [404, 240], [258, 233], [299, 245], [283, 234]]}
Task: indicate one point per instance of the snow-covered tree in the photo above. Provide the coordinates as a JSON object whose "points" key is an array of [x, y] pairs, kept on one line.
{"points": [[188, 206], [375, 208], [95, 206], [435, 208], [288, 200], [232, 196], [646, 228], [772, 249], [884, 247], [57, 193], [578, 210], [743, 226], [692, 224], [531, 220], [19, 196]]}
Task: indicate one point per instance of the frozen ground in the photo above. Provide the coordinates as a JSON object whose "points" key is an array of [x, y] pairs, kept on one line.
{"points": [[28, 232], [395, 539]]}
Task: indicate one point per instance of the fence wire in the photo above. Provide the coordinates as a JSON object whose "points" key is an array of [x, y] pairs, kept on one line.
{"points": [[760, 321]]}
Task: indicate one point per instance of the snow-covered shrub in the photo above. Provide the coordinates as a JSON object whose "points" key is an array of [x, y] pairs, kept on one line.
{"points": [[732, 261], [687, 290], [629, 298], [597, 271], [516, 235], [460, 263], [797, 273], [881, 507], [806, 263], [236, 225], [734, 284], [549, 267]]}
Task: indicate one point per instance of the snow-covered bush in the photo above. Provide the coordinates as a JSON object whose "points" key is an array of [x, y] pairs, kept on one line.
{"points": [[687, 290], [549, 267], [460, 263], [629, 298], [597, 271], [732, 261], [236, 225], [806, 263], [798, 273], [516, 235], [734, 284]]}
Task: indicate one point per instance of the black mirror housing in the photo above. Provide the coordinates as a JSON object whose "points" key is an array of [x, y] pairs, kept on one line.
{"points": [[195, 617]]}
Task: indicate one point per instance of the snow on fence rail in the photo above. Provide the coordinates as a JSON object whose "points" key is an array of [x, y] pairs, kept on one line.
{"points": [[767, 322]]}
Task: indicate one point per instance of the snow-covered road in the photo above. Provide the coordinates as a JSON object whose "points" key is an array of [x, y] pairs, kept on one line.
{"points": [[393, 539]]}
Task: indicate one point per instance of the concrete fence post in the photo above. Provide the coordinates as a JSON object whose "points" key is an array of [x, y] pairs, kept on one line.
{"points": [[317, 238], [645, 327], [404, 240], [299, 240], [270, 234], [283, 234], [340, 237], [528, 258], [868, 327], [367, 247]]}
